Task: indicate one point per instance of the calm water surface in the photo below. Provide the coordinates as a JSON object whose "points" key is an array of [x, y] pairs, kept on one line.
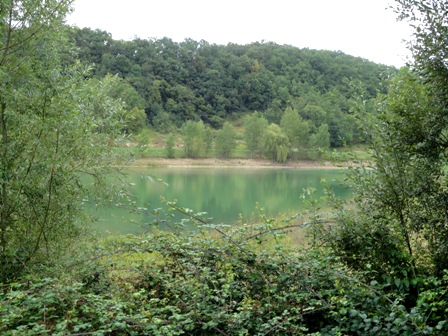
{"points": [[225, 194]]}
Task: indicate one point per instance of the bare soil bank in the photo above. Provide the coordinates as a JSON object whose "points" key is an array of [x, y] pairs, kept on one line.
{"points": [[237, 163]]}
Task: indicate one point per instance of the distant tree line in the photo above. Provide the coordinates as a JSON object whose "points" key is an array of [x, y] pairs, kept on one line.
{"points": [[165, 83], [261, 139]]}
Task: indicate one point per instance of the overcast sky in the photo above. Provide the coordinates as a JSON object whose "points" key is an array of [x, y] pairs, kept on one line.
{"points": [[357, 27]]}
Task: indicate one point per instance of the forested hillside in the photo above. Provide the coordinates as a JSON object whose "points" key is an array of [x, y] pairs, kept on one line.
{"points": [[174, 82]]}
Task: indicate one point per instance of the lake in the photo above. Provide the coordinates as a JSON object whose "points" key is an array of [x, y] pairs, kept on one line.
{"points": [[224, 193]]}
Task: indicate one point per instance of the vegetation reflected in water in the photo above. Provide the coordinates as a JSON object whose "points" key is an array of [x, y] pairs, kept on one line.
{"points": [[224, 194]]}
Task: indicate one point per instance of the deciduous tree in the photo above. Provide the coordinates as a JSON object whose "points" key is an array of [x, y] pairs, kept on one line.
{"points": [[276, 144], [320, 139], [255, 126], [50, 135], [225, 141], [399, 231], [169, 146], [295, 128], [193, 137]]}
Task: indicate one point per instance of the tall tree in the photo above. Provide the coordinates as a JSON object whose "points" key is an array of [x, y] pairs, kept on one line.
{"points": [[255, 126], [49, 135], [133, 114], [320, 139], [296, 129], [208, 139], [423, 130], [225, 141], [169, 146], [276, 144], [400, 227], [193, 137]]}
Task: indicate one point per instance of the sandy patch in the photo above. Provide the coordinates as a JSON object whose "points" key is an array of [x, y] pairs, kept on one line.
{"points": [[237, 163]]}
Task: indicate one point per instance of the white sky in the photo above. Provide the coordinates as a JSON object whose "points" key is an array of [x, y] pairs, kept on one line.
{"points": [[357, 27]]}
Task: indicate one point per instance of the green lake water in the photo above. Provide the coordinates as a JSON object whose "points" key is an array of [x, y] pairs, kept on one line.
{"points": [[225, 194]]}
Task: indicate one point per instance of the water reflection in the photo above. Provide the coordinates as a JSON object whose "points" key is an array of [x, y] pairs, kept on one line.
{"points": [[223, 193]]}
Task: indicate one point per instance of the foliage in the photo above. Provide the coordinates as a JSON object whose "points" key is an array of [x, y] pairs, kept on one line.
{"points": [[319, 142], [255, 126], [391, 234], [125, 92], [169, 146], [321, 139], [132, 115], [406, 189], [429, 53], [107, 112], [54, 127], [243, 282], [225, 141], [134, 120], [193, 137], [208, 139], [295, 128], [276, 144], [398, 232], [162, 121], [194, 80], [423, 122], [48, 306]]}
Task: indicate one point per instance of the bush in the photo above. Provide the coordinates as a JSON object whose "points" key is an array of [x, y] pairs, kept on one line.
{"points": [[243, 282], [49, 307]]}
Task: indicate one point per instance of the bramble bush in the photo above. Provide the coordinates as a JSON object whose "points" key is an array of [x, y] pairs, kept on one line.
{"points": [[245, 281]]}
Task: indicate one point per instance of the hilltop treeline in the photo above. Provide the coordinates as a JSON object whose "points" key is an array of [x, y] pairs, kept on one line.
{"points": [[175, 82]]}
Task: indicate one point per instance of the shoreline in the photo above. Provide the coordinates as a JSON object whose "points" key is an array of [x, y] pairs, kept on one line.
{"points": [[237, 163]]}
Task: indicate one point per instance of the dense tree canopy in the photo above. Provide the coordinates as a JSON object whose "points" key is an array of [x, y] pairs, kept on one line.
{"points": [[196, 80]]}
